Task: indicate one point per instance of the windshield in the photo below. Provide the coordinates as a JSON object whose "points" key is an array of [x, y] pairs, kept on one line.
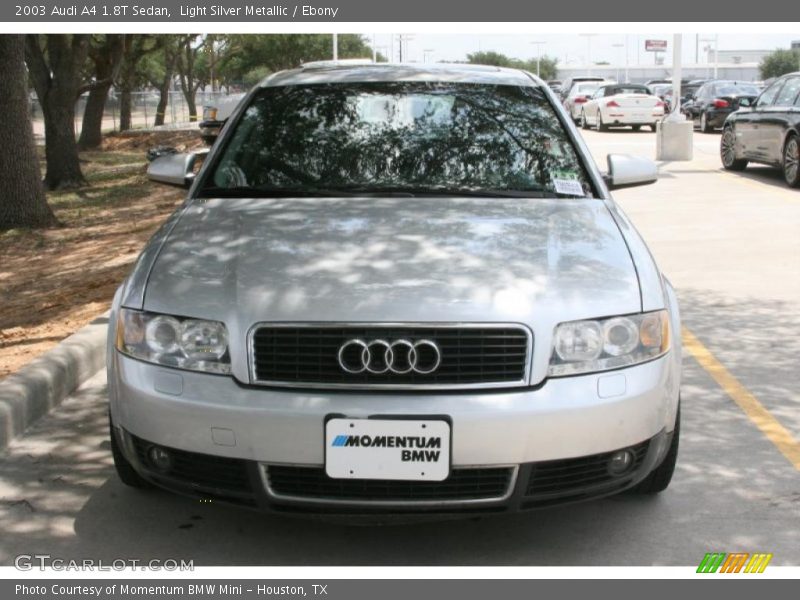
{"points": [[399, 136], [585, 88], [736, 90]]}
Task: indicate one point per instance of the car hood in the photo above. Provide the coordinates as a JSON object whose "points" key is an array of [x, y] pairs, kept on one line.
{"points": [[522, 260]]}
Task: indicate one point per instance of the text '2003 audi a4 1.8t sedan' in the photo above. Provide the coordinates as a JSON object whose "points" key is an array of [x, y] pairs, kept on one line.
{"points": [[396, 289]]}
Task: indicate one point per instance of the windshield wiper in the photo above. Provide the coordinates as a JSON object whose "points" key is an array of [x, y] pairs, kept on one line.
{"points": [[395, 191], [414, 191], [269, 192]]}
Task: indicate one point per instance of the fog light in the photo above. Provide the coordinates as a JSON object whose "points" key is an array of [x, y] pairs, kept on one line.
{"points": [[160, 458], [620, 462]]}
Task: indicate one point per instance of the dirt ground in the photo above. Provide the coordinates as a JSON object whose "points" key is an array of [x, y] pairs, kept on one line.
{"points": [[54, 281]]}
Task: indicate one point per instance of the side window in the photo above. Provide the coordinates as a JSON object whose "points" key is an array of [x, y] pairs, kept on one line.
{"points": [[789, 92], [767, 97], [599, 93]]}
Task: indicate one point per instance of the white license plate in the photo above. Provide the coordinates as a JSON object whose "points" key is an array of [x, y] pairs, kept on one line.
{"points": [[399, 449]]}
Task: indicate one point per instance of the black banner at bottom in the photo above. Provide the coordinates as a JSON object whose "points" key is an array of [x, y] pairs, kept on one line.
{"points": [[374, 589]]}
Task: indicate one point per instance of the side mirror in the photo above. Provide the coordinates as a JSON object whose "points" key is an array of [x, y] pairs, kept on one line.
{"points": [[176, 169], [625, 170]]}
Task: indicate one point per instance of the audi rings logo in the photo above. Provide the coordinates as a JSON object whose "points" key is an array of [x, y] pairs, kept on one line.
{"points": [[381, 356]]}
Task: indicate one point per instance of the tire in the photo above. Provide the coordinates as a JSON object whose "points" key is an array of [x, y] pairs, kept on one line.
{"points": [[598, 125], [704, 127], [658, 480], [727, 152], [125, 471], [791, 161], [636, 127], [584, 122]]}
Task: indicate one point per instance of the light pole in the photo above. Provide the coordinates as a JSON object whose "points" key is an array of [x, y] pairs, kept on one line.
{"points": [[335, 46], [425, 53], [625, 46], [715, 39], [588, 37], [538, 57]]}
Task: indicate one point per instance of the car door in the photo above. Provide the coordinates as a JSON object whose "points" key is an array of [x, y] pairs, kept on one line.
{"points": [[749, 132], [774, 120]]}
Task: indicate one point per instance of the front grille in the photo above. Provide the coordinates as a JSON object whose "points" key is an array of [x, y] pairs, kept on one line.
{"points": [[202, 472], [462, 484], [470, 356], [578, 477]]}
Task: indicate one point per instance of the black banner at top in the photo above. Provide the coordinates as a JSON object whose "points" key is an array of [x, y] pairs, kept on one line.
{"points": [[310, 11]]}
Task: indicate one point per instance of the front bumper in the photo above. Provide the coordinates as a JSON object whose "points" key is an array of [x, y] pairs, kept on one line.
{"points": [[307, 490], [219, 419]]}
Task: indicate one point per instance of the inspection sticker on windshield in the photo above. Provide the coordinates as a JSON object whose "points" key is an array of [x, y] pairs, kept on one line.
{"points": [[572, 187]]}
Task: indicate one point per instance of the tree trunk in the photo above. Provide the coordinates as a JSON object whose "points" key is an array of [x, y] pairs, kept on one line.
{"points": [[106, 56], [56, 86], [125, 121], [22, 203], [92, 127], [163, 88], [191, 103]]}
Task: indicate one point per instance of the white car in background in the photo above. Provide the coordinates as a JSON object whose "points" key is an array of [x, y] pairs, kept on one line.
{"points": [[578, 95], [620, 105]]}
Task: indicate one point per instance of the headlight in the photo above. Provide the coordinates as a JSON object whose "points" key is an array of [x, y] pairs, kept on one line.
{"points": [[589, 346], [192, 344]]}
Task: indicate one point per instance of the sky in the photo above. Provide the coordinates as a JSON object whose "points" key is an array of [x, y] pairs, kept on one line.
{"points": [[572, 49]]}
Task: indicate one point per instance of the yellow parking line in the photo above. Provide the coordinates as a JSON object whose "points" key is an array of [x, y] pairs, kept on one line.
{"points": [[755, 411]]}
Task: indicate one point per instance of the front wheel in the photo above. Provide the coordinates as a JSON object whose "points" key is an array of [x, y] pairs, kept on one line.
{"points": [[791, 161], [727, 151], [658, 480]]}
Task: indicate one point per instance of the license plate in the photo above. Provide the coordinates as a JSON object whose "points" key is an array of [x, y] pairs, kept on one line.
{"points": [[397, 449]]}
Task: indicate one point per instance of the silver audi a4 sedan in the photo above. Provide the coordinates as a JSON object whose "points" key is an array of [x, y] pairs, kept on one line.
{"points": [[396, 289]]}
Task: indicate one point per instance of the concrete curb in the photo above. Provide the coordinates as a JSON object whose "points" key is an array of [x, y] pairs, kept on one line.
{"points": [[31, 392]]}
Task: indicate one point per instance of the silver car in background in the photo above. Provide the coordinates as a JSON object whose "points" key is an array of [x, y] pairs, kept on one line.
{"points": [[396, 289], [580, 93]]}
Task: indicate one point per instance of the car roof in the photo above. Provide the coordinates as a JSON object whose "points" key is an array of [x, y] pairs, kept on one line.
{"points": [[342, 72]]}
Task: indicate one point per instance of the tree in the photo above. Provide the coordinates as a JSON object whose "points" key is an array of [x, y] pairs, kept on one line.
{"points": [[547, 67], [489, 57], [251, 53], [23, 202], [158, 68], [105, 53], [190, 72], [779, 63], [134, 48], [54, 63]]}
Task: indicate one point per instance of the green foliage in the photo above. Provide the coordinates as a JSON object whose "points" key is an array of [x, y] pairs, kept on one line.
{"points": [[248, 55], [779, 63], [548, 67]]}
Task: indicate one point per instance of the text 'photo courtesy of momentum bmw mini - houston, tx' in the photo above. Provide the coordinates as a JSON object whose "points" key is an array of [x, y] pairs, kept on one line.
{"points": [[396, 289]]}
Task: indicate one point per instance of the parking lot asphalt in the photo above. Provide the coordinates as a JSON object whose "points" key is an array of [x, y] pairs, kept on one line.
{"points": [[729, 243]]}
